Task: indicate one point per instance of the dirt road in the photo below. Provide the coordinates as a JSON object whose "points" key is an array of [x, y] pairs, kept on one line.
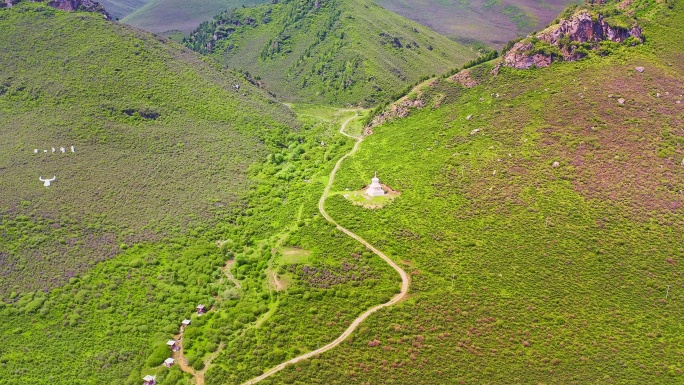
{"points": [[362, 317]]}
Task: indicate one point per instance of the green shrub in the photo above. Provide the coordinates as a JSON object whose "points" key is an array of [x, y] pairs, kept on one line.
{"points": [[157, 357]]}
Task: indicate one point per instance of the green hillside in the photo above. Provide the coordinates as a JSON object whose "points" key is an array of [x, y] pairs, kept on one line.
{"points": [[525, 270], [166, 16], [181, 190], [492, 22], [148, 122], [538, 212], [339, 52]]}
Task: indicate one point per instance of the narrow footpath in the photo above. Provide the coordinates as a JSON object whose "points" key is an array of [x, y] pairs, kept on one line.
{"points": [[181, 361], [362, 317]]}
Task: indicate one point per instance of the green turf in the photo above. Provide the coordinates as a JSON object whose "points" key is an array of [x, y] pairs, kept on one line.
{"points": [[291, 255], [341, 52]]}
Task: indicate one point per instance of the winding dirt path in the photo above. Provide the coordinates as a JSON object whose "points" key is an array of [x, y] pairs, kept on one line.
{"points": [[278, 285], [182, 362], [362, 317], [229, 275]]}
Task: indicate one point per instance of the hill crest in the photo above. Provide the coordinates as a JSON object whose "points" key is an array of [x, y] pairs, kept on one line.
{"points": [[339, 51]]}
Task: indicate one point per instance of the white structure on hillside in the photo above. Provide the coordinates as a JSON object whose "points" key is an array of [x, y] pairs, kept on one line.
{"points": [[375, 188], [47, 182]]}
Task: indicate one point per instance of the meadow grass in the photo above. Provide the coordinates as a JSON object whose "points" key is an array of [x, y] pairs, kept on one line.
{"points": [[293, 255], [522, 270], [170, 163]]}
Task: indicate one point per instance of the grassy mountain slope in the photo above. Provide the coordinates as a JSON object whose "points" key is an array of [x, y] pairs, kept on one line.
{"points": [[341, 52], [165, 16], [493, 22], [149, 122], [526, 271], [170, 162]]}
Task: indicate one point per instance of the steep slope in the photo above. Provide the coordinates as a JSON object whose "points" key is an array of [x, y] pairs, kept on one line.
{"points": [[338, 51], [166, 16], [493, 22], [541, 217], [161, 142]]}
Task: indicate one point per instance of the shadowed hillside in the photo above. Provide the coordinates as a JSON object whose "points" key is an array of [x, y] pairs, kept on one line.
{"points": [[184, 184], [339, 52], [148, 121]]}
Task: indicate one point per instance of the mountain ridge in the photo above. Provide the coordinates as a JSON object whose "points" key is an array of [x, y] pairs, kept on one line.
{"points": [[341, 52]]}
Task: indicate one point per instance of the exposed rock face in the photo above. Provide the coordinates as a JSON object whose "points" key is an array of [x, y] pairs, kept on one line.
{"points": [[520, 57], [583, 28], [67, 5], [400, 109], [567, 36], [464, 78]]}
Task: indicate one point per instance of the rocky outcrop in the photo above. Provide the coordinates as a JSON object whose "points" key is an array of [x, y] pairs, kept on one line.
{"points": [[400, 109], [521, 56], [79, 5], [569, 40], [67, 5], [464, 78], [583, 28]]}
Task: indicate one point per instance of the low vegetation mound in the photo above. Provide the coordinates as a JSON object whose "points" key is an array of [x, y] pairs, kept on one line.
{"points": [[338, 52]]}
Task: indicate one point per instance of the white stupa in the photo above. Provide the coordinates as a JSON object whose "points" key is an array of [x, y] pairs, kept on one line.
{"points": [[375, 189]]}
